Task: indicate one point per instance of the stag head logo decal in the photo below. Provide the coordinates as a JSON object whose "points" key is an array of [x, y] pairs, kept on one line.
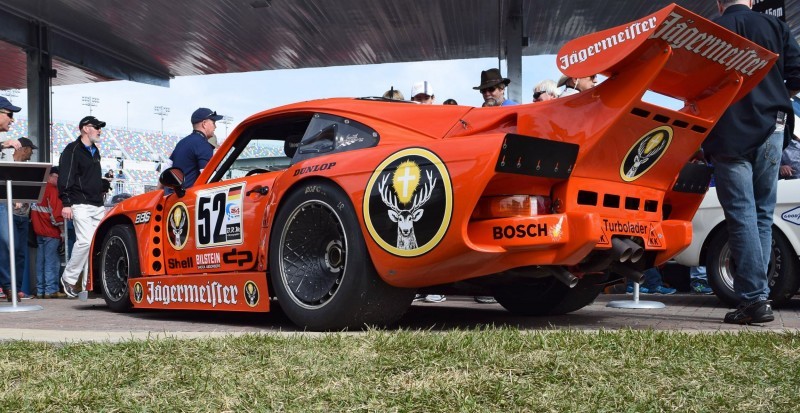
{"points": [[408, 202], [644, 154], [178, 226]]}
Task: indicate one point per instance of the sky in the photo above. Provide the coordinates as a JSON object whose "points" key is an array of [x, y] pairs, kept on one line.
{"points": [[240, 95]]}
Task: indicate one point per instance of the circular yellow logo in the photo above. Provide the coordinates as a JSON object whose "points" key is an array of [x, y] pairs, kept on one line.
{"points": [[644, 154], [408, 202], [138, 292], [178, 226], [251, 295]]}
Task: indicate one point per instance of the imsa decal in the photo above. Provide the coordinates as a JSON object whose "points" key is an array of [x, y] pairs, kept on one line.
{"points": [[408, 202], [644, 154], [178, 226], [219, 216]]}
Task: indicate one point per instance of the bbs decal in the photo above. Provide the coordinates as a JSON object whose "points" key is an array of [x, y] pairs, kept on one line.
{"points": [[142, 218], [219, 216], [409, 202]]}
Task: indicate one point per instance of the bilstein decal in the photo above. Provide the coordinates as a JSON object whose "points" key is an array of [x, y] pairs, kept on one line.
{"points": [[409, 202], [178, 226], [645, 153]]}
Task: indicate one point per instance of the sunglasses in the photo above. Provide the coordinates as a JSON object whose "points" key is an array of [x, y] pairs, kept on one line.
{"points": [[489, 89], [537, 94], [10, 114], [421, 98]]}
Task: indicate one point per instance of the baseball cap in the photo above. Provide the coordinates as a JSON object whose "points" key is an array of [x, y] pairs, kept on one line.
{"points": [[202, 114], [423, 87], [25, 142], [91, 120], [6, 104]]}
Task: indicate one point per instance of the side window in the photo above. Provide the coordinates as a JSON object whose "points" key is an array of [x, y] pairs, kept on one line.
{"points": [[264, 147], [328, 133]]}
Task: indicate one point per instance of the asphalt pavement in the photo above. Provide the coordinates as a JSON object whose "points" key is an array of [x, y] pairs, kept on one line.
{"points": [[63, 320]]}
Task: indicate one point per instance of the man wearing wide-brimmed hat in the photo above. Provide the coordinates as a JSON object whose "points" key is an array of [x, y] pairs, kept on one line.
{"points": [[492, 88]]}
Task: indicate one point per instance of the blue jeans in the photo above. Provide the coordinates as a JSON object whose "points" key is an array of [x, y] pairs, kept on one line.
{"points": [[5, 261], [21, 225], [747, 187], [48, 265]]}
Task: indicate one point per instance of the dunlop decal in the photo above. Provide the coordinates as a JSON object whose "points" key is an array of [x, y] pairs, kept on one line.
{"points": [[178, 226], [408, 202], [644, 154]]}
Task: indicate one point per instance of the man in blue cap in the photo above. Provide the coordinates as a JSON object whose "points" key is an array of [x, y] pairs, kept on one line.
{"points": [[7, 111], [193, 152]]}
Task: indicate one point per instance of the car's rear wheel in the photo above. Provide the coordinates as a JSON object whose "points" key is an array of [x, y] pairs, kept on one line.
{"points": [[119, 260], [548, 296], [783, 277], [320, 270]]}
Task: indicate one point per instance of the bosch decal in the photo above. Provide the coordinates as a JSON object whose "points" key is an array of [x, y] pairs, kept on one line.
{"points": [[409, 202], [644, 154], [178, 226], [520, 231]]}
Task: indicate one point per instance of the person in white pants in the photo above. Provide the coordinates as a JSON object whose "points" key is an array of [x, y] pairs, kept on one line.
{"points": [[81, 188]]}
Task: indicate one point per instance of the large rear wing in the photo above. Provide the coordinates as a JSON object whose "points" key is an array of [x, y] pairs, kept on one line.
{"points": [[705, 59]]}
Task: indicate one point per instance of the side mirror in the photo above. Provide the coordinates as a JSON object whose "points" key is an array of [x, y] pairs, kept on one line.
{"points": [[172, 178]]}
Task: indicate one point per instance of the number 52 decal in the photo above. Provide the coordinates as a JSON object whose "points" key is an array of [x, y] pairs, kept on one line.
{"points": [[219, 216]]}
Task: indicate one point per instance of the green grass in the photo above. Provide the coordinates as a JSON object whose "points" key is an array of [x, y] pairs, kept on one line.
{"points": [[493, 370]]}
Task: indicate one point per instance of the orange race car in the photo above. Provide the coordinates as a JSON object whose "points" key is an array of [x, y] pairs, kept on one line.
{"points": [[341, 209]]}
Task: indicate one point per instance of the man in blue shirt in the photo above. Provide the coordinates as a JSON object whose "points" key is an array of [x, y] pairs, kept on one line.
{"points": [[193, 152], [493, 87], [745, 147]]}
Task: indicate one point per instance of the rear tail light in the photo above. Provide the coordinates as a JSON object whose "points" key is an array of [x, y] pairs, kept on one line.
{"points": [[504, 206]]}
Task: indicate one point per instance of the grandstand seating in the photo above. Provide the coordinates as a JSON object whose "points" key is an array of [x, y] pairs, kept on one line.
{"points": [[139, 145]]}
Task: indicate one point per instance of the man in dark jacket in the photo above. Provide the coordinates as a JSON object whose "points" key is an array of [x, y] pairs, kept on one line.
{"points": [[81, 188], [745, 148]]}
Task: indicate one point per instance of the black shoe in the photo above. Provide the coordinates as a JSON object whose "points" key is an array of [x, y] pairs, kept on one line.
{"points": [[757, 312]]}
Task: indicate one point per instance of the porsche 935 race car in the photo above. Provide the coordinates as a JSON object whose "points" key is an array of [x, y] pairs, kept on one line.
{"points": [[338, 210]]}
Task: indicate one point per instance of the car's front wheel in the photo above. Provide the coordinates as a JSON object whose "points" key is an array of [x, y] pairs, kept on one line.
{"points": [[320, 270], [119, 260], [783, 277]]}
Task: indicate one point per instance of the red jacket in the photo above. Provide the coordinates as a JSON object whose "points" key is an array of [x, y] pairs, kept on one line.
{"points": [[43, 213]]}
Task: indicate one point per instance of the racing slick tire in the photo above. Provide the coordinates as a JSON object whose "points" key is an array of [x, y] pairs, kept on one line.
{"points": [[784, 279], [320, 270], [119, 260], [548, 296]]}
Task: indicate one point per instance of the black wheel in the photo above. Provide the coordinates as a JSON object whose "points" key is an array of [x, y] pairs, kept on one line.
{"points": [[119, 260], [549, 296], [320, 270], [783, 277]]}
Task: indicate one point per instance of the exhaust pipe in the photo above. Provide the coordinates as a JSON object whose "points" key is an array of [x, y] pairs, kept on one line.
{"points": [[621, 249], [636, 250], [564, 276], [628, 272]]}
